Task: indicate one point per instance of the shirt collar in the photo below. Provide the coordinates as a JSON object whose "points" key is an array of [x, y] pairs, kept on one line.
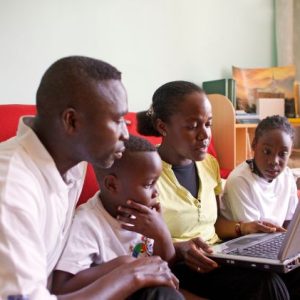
{"points": [[32, 144]]}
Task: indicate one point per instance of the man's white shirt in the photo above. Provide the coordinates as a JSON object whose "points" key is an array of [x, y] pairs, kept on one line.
{"points": [[36, 210]]}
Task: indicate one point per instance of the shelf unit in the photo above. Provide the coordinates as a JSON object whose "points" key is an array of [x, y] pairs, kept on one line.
{"points": [[232, 141]]}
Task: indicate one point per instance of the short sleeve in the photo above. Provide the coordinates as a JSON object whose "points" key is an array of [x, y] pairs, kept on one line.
{"points": [[81, 246], [236, 202]]}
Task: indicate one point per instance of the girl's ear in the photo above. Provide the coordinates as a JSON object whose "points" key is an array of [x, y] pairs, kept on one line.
{"points": [[161, 127], [111, 183]]}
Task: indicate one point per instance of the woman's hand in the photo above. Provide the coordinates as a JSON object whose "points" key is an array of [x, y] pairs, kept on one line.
{"points": [[227, 229], [194, 253], [260, 226]]}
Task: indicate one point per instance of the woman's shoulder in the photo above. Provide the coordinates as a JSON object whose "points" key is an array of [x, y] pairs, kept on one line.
{"points": [[209, 164], [209, 159]]}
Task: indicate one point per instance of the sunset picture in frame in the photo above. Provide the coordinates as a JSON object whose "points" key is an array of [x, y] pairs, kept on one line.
{"points": [[255, 83]]}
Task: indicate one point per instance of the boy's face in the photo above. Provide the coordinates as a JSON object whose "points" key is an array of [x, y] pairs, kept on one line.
{"points": [[271, 153], [138, 181]]}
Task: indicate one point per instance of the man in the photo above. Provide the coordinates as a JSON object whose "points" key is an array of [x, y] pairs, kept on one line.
{"points": [[81, 104]]}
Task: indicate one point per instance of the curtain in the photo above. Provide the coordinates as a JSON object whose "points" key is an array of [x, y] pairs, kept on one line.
{"points": [[287, 28]]}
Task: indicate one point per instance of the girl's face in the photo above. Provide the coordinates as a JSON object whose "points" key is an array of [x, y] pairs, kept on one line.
{"points": [[271, 153], [188, 131]]}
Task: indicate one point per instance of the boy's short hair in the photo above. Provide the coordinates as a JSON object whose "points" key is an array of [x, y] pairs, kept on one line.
{"points": [[138, 144], [133, 144]]}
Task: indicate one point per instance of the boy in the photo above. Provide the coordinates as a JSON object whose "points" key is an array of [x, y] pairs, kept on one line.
{"points": [[98, 233]]}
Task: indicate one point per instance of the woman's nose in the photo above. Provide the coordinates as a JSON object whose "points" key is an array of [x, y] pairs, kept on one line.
{"points": [[202, 134]]}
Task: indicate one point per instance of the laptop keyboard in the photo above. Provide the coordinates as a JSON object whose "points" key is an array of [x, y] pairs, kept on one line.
{"points": [[265, 249]]}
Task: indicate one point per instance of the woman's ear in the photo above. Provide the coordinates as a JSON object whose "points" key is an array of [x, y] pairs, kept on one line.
{"points": [[253, 144], [161, 127], [111, 183]]}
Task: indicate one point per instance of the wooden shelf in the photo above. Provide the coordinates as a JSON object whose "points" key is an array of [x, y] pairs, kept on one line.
{"points": [[244, 125], [233, 140]]}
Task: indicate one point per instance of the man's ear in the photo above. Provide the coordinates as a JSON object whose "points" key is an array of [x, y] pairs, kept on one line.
{"points": [[161, 127], [70, 120], [111, 183]]}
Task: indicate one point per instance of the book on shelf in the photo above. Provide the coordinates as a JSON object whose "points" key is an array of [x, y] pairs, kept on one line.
{"points": [[224, 87], [247, 121], [246, 118]]}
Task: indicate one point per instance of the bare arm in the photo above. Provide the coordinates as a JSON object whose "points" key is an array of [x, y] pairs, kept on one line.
{"points": [[64, 282], [227, 229], [122, 281], [149, 222]]}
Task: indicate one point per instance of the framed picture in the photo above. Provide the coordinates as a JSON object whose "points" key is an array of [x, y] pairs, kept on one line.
{"points": [[275, 82]]}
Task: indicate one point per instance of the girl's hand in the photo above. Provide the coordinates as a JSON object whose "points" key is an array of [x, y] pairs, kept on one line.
{"points": [[194, 253], [260, 226]]}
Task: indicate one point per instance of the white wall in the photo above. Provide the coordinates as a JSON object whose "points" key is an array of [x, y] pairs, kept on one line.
{"points": [[150, 41]]}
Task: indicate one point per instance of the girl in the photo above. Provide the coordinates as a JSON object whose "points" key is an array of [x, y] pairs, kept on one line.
{"points": [[189, 189], [263, 188]]}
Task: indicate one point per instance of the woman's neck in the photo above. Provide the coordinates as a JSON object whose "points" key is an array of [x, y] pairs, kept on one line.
{"points": [[171, 157]]}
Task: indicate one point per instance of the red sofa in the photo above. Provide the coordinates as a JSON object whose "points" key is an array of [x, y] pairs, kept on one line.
{"points": [[9, 117]]}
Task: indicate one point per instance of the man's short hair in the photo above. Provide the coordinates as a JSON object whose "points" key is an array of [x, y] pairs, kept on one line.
{"points": [[68, 77]]}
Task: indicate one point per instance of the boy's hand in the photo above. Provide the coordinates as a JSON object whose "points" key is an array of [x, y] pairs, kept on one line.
{"points": [[148, 222], [144, 220]]}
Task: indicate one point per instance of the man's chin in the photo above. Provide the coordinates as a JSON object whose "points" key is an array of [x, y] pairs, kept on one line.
{"points": [[106, 164]]}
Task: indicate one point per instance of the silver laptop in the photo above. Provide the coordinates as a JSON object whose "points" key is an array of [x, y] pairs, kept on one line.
{"points": [[279, 252]]}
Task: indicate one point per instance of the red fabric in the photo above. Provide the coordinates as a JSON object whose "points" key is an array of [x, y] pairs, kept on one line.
{"points": [[90, 186], [9, 118]]}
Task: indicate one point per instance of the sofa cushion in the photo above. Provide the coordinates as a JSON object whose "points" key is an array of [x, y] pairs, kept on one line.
{"points": [[9, 118]]}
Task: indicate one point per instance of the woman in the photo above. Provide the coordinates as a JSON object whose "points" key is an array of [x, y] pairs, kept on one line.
{"points": [[190, 188]]}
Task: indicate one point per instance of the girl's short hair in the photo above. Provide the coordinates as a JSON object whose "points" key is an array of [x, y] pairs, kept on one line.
{"points": [[271, 123]]}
